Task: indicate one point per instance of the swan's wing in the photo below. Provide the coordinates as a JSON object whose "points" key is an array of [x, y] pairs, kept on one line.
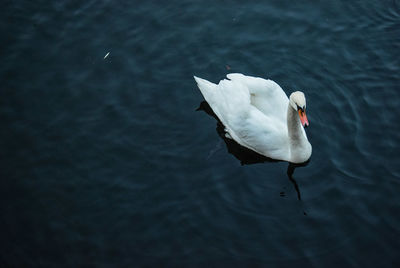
{"points": [[266, 95], [262, 134], [248, 126]]}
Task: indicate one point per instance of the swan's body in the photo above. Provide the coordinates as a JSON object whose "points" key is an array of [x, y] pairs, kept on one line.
{"points": [[258, 115]]}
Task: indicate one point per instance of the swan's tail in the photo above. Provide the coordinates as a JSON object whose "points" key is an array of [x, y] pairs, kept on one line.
{"points": [[201, 81], [230, 102], [226, 99], [211, 94], [206, 87]]}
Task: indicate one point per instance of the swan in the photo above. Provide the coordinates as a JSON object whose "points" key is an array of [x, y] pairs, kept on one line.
{"points": [[258, 115]]}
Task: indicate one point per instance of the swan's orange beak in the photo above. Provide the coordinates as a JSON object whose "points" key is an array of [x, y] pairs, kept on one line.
{"points": [[303, 117]]}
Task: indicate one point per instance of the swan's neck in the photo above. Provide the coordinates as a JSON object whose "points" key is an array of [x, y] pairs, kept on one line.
{"points": [[294, 125], [300, 148]]}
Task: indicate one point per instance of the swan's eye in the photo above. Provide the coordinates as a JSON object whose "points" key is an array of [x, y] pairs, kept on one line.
{"points": [[300, 108], [303, 109]]}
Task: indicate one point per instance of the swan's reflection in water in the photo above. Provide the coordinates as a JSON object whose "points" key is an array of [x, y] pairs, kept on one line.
{"points": [[245, 155]]}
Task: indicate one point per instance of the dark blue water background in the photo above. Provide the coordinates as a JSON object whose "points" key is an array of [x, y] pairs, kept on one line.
{"points": [[107, 162]]}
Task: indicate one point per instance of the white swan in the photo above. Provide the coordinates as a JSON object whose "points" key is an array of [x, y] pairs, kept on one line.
{"points": [[258, 115]]}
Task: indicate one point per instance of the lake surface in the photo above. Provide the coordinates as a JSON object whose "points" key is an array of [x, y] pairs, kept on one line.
{"points": [[106, 161]]}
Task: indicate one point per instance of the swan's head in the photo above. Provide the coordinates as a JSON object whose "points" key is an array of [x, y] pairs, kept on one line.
{"points": [[298, 102]]}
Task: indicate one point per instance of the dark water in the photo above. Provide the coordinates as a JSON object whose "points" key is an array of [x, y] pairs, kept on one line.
{"points": [[106, 162]]}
